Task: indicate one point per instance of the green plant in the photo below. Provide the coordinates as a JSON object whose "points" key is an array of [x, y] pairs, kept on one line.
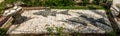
{"points": [[58, 3], [50, 3], [112, 33], [78, 7], [76, 34], [1, 7], [50, 30], [60, 31], [32, 2], [95, 7], [101, 2], [108, 4], [96, 2], [85, 2], [2, 31], [68, 2], [10, 1]]}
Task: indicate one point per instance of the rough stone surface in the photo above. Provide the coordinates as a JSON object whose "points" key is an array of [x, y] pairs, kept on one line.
{"points": [[83, 21], [12, 11]]}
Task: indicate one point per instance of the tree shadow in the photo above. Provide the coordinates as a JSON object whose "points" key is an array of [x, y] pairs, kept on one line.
{"points": [[64, 12], [85, 20], [51, 13], [22, 20], [94, 21], [73, 22], [99, 13]]}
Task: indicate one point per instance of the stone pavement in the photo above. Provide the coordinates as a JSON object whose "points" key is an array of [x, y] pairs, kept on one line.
{"points": [[83, 21]]}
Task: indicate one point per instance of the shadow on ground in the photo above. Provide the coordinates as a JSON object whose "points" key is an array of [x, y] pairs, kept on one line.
{"points": [[51, 13], [99, 13], [85, 20], [22, 20]]}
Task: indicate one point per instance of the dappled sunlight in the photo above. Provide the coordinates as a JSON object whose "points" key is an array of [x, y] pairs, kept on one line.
{"points": [[71, 20]]}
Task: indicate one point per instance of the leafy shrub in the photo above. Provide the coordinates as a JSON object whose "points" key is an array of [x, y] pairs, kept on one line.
{"points": [[68, 2], [10, 1], [50, 30], [100, 2], [32, 2], [95, 7], [96, 2], [52, 3], [112, 33], [58, 2], [78, 7], [59, 30], [1, 7], [85, 2], [2, 31], [107, 5]]}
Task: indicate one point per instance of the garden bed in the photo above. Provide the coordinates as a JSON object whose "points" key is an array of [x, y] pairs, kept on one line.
{"points": [[81, 21], [60, 17]]}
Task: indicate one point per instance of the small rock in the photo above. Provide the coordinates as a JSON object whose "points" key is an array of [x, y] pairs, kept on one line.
{"points": [[7, 11], [19, 8], [15, 7], [12, 11], [8, 6]]}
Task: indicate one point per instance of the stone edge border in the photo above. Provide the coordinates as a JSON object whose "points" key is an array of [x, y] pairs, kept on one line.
{"points": [[8, 23], [56, 34], [114, 19]]}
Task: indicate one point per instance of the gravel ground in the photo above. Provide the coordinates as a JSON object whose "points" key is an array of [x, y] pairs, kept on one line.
{"points": [[1, 1], [116, 2], [83, 21]]}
